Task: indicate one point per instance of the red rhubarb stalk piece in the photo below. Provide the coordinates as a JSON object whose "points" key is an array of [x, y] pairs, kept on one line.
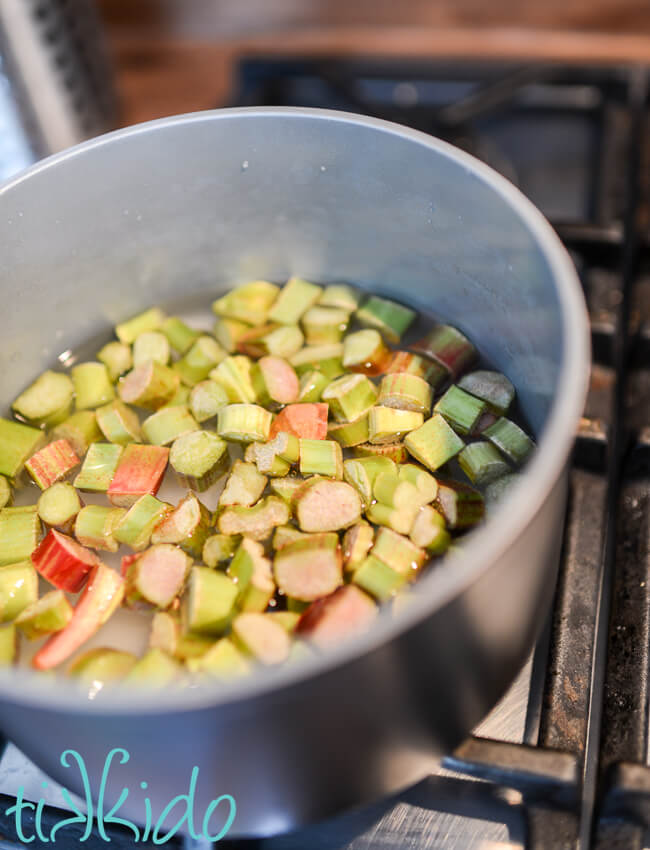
{"points": [[330, 620], [100, 598], [308, 421], [140, 471], [52, 463], [63, 561]]}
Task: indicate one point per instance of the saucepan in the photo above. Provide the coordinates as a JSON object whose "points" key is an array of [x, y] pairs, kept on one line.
{"points": [[190, 206]]}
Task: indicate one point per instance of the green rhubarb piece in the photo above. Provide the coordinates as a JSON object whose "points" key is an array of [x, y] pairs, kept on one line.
{"points": [[449, 347], [357, 543], [101, 666], [462, 506], [117, 358], [398, 552], [223, 661], [151, 385], [17, 443], [218, 549], [99, 467], [207, 398], [349, 434], [5, 492], [209, 604], [204, 355], [249, 303], [461, 410], [312, 384], [365, 351], [188, 525], [154, 670], [130, 330], [406, 392], [244, 423], [393, 451], [287, 619], [399, 519], [378, 579], [165, 632], [18, 589], [95, 524], [256, 522], [8, 644], [482, 463], [285, 488], [324, 324], [92, 385], [286, 534], [413, 364], [340, 295], [389, 317], [284, 341], [297, 606], [20, 531], [275, 457], [151, 345], [295, 298], [179, 335], [199, 459], [350, 397], [136, 527], [390, 424], [509, 438], [322, 358], [321, 457], [235, 375], [361, 473], [251, 571], [429, 531], [492, 387], [168, 424], [180, 397], [261, 637], [47, 401], [244, 485], [391, 490], [118, 423], [80, 430], [425, 483], [59, 505], [228, 332], [434, 443], [51, 613]]}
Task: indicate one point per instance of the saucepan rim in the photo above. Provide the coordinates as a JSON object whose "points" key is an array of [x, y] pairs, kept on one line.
{"points": [[482, 549]]}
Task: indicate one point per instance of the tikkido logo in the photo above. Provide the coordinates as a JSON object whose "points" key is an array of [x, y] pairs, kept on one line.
{"points": [[96, 817]]}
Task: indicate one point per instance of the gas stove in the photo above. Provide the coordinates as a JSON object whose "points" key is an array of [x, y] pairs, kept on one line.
{"points": [[562, 762]]}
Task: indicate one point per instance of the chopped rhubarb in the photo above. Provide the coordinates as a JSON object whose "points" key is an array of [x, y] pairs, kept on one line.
{"points": [[328, 506], [63, 561], [157, 576], [302, 420], [139, 472], [345, 612], [52, 463], [309, 568]]}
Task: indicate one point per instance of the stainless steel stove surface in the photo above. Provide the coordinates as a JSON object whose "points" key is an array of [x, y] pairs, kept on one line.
{"points": [[562, 762]]}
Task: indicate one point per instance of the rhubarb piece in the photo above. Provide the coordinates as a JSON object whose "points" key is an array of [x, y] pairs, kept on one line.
{"points": [[308, 421], [399, 519], [393, 451], [219, 548], [340, 295], [295, 298], [366, 352], [8, 645], [276, 381], [137, 525], [80, 430], [20, 531], [244, 423], [348, 434], [140, 471], [6, 495], [261, 637], [491, 387], [99, 667], [406, 392], [287, 619], [361, 474], [209, 604], [180, 397], [389, 317], [462, 506], [357, 542], [257, 522], [92, 385], [59, 505], [321, 457], [429, 532], [168, 424], [222, 661], [424, 482], [207, 398], [449, 347], [252, 342], [118, 423], [296, 606], [509, 438], [244, 486], [117, 358], [188, 525], [99, 467], [485, 421], [322, 358], [155, 669], [47, 401], [378, 579], [346, 612], [17, 443], [150, 385], [130, 330], [18, 589], [52, 463], [389, 425], [312, 384], [235, 374], [199, 361], [228, 332], [199, 459], [350, 397], [63, 561], [284, 447], [324, 324], [286, 534], [405, 361], [392, 490], [95, 525], [398, 552], [434, 443], [328, 506], [51, 613], [249, 303], [179, 335], [151, 345], [251, 572], [283, 341], [482, 463], [285, 488], [461, 410], [165, 632], [157, 576]]}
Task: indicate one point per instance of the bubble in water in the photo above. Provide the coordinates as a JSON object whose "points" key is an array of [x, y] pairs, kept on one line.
{"points": [[244, 165], [323, 168]]}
